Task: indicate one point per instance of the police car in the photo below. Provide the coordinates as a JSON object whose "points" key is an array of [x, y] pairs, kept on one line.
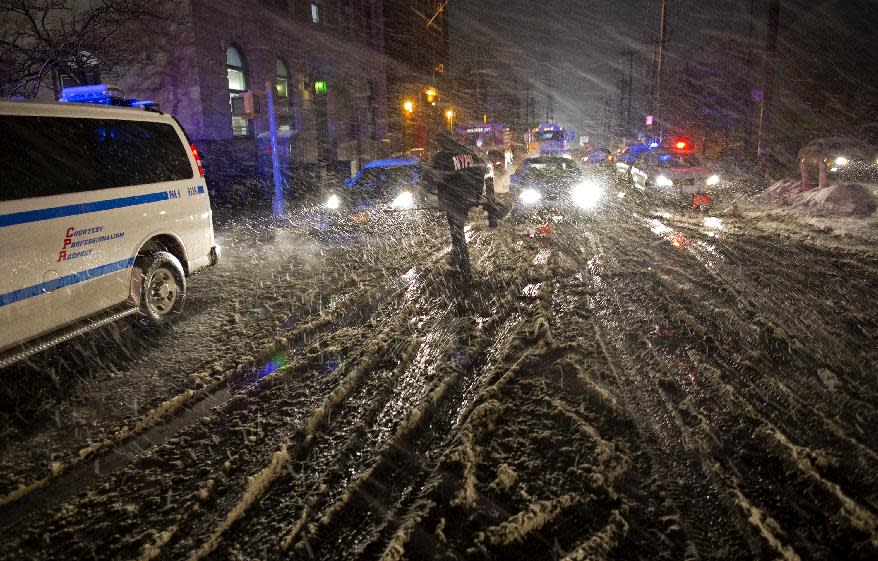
{"points": [[382, 187], [104, 212], [676, 173]]}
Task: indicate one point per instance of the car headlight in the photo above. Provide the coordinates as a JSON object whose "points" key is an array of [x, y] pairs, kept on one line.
{"points": [[530, 196], [586, 195], [712, 180], [333, 202], [403, 201], [841, 161], [663, 181]]}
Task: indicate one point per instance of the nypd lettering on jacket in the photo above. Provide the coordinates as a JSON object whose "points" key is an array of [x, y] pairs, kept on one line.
{"points": [[463, 161]]}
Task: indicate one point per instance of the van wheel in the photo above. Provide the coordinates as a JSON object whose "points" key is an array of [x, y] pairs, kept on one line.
{"points": [[163, 290]]}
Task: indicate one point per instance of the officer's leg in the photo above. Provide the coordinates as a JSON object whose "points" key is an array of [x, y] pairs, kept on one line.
{"points": [[459, 252], [492, 202]]}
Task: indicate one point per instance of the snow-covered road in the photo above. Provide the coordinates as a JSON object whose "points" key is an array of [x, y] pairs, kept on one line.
{"points": [[647, 383]]}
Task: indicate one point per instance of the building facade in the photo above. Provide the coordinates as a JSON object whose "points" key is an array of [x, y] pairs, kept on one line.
{"points": [[323, 62]]}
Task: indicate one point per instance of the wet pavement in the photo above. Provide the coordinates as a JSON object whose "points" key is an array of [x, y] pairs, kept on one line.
{"points": [[644, 382]]}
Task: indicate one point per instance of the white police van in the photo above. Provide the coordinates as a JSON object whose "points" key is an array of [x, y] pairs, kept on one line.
{"points": [[104, 211]]}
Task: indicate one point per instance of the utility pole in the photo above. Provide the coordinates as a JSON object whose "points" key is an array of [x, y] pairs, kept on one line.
{"points": [[478, 77], [768, 62], [659, 59], [630, 82], [626, 86]]}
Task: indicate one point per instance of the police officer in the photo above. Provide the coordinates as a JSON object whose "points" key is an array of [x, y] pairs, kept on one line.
{"points": [[458, 179]]}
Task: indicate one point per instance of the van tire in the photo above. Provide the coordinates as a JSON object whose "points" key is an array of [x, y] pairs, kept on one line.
{"points": [[163, 290]]}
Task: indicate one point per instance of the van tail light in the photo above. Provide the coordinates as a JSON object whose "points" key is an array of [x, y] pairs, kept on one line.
{"points": [[197, 159]]}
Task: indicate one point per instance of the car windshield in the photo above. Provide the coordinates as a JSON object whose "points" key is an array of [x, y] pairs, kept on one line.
{"points": [[669, 160], [381, 179], [549, 135], [439, 280], [548, 166]]}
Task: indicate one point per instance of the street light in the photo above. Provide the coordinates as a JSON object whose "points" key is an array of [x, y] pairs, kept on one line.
{"points": [[409, 107], [431, 94], [450, 116]]}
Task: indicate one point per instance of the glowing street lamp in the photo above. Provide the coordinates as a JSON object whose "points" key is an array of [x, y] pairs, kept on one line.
{"points": [[449, 115], [409, 107], [431, 95]]}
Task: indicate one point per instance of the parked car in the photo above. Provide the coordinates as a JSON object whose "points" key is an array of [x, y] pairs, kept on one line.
{"points": [[679, 176], [381, 188], [841, 158], [551, 183]]}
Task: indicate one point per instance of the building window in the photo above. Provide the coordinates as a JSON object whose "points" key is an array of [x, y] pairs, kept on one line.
{"points": [[237, 74], [315, 12], [283, 108]]}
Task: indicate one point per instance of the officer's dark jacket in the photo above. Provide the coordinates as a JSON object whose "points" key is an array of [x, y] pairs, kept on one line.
{"points": [[457, 177]]}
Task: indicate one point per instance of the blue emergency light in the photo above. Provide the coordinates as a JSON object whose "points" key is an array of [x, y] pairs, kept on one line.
{"points": [[103, 94]]}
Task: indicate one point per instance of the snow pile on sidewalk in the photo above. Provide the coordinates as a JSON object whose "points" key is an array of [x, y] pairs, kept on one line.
{"points": [[846, 199], [783, 189], [853, 200]]}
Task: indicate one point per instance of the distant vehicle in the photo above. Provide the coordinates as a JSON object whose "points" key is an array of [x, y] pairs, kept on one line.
{"points": [[676, 174], [551, 182], [597, 157], [627, 155], [841, 158], [496, 161], [492, 141], [381, 187], [104, 212], [549, 139]]}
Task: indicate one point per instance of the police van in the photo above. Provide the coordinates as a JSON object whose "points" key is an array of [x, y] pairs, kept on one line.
{"points": [[104, 212]]}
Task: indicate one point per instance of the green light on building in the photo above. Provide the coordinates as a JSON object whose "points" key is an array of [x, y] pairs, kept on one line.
{"points": [[320, 87]]}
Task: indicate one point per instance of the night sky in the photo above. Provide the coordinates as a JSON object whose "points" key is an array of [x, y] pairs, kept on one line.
{"points": [[571, 48]]}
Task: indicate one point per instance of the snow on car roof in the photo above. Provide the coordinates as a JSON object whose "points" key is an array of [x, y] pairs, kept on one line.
{"points": [[391, 163]]}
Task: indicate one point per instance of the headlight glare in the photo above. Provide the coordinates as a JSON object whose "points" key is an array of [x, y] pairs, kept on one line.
{"points": [[333, 202], [663, 181], [713, 180], [841, 161], [530, 196], [403, 201], [586, 195]]}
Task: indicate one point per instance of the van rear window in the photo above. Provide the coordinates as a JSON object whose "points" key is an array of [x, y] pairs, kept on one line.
{"points": [[44, 156]]}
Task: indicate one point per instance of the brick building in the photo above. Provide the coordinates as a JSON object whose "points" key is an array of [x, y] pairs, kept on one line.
{"points": [[325, 60]]}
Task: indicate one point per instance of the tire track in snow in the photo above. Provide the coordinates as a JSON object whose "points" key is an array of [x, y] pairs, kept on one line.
{"points": [[315, 346], [722, 406]]}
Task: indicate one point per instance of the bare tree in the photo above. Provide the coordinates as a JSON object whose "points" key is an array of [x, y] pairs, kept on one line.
{"points": [[44, 38]]}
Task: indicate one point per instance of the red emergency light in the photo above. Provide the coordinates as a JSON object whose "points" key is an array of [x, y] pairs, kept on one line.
{"points": [[681, 144]]}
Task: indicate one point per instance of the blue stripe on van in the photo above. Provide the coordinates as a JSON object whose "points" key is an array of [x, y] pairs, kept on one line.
{"points": [[82, 208], [61, 282]]}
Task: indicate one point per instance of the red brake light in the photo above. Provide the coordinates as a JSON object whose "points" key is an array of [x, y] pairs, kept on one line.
{"points": [[197, 159], [680, 145]]}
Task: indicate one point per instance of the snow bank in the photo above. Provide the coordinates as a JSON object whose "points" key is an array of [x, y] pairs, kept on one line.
{"points": [[783, 189], [854, 200], [846, 199]]}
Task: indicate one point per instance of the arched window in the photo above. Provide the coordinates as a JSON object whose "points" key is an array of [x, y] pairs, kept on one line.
{"points": [[283, 107], [237, 73]]}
